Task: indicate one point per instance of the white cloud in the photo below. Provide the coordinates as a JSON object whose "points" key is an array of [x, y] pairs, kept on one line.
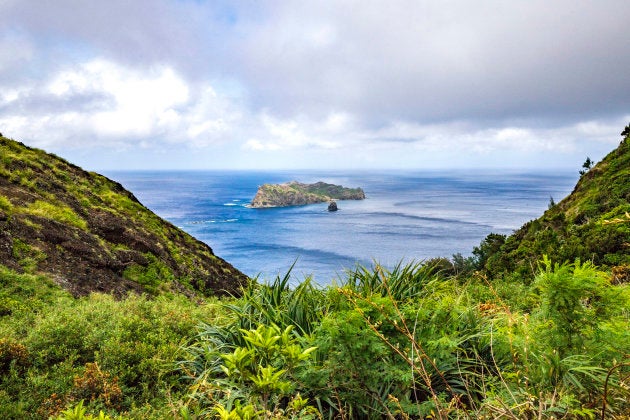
{"points": [[211, 117], [155, 105], [275, 134], [145, 104]]}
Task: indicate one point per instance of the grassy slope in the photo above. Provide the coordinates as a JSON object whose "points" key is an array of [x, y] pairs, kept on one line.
{"points": [[88, 233], [592, 223]]}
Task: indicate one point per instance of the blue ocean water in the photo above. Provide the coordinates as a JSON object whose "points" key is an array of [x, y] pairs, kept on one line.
{"points": [[406, 216]]}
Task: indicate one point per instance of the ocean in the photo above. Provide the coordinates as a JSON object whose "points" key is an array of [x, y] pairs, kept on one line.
{"points": [[406, 216]]}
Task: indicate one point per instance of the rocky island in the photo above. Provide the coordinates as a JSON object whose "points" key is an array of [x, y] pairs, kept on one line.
{"points": [[297, 194]]}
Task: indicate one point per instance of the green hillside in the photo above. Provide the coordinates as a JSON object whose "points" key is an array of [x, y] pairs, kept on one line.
{"points": [[87, 233], [592, 223]]}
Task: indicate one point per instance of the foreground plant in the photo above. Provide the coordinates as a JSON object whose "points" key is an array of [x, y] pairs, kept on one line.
{"points": [[258, 379]]}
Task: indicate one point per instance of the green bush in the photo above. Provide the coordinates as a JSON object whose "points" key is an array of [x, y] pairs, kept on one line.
{"points": [[136, 340], [260, 378]]}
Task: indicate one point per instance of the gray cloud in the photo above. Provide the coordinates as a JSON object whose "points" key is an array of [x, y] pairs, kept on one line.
{"points": [[427, 60], [39, 104], [326, 74], [422, 60], [137, 33]]}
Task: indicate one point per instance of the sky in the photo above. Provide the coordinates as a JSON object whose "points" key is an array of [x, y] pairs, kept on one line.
{"points": [[396, 84]]}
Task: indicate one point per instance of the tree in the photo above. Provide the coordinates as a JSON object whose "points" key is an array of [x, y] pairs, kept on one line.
{"points": [[587, 165], [626, 131], [488, 247]]}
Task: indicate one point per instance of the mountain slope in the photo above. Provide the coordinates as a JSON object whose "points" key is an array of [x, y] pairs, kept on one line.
{"points": [[88, 233], [592, 223]]}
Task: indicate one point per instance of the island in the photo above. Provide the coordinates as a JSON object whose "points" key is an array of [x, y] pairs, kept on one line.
{"points": [[298, 194]]}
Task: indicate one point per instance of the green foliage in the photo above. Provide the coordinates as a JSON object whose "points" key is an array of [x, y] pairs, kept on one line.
{"points": [[586, 166], [121, 354], [574, 298], [401, 283], [276, 303], [330, 190], [23, 295], [256, 379], [151, 276], [347, 345], [410, 343], [487, 249], [78, 412]]}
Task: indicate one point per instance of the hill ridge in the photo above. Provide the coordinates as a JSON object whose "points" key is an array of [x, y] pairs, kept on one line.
{"points": [[591, 224], [88, 233]]}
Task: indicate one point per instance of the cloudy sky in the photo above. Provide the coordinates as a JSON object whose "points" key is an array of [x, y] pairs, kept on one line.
{"points": [[183, 84]]}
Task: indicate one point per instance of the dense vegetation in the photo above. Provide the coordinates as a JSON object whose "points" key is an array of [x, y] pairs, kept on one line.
{"points": [[447, 338], [403, 343]]}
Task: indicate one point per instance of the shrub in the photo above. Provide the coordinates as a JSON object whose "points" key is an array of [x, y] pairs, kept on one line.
{"points": [[133, 343], [78, 412], [150, 276], [13, 355], [575, 297], [27, 256], [257, 379], [94, 385]]}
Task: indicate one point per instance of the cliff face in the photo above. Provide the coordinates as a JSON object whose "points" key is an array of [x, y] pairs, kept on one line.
{"points": [[297, 194], [592, 223], [88, 233]]}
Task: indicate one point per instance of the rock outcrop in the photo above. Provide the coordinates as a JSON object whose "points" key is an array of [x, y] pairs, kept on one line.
{"points": [[332, 206], [297, 194], [87, 233]]}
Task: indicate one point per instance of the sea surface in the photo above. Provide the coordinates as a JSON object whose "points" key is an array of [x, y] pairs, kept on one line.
{"points": [[406, 216]]}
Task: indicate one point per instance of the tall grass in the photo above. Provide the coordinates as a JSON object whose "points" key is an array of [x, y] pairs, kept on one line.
{"points": [[404, 281]]}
